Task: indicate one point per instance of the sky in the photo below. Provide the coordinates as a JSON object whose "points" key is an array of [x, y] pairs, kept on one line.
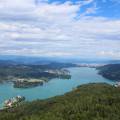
{"points": [[60, 28]]}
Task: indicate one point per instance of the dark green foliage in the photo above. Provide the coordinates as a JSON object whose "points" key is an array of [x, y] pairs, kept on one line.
{"points": [[87, 102], [111, 71], [10, 71]]}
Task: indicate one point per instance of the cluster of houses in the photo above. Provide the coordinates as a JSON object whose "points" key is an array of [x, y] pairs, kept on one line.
{"points": [[58, 71], [117, 85], [91, 65], [13, 101]]}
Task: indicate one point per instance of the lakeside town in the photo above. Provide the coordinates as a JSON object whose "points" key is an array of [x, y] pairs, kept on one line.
{"points": [[13, 102]]}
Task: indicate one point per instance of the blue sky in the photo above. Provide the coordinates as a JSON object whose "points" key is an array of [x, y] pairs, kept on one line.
{"points": [[59, 28]]}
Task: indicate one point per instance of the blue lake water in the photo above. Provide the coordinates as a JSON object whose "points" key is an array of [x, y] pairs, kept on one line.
{"points": [[81, 75]]}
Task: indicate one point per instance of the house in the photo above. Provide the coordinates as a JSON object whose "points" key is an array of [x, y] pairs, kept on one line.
{"points": [[13, 101]]}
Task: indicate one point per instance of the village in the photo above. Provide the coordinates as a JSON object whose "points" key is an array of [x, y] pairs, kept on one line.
{"points": [[117, 84], [13, 102]]}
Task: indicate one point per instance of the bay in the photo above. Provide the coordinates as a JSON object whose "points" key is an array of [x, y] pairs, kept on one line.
{"points": [[54, 87]]}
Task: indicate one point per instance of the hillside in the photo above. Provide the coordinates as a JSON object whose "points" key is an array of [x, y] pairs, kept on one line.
{"points": [[87, 102], [10, 71], [110, 71]]}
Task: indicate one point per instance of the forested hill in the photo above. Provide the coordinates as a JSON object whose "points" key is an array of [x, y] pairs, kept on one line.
{"points": [[87, 102], [10, 70], [110, 71]]}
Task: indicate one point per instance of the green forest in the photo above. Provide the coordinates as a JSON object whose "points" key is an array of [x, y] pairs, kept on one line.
{"points": [[86, 102], [110, 71], [10, 71]]}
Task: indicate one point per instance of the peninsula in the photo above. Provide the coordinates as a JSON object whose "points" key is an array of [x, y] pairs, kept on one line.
{"points": [[29, 75]]}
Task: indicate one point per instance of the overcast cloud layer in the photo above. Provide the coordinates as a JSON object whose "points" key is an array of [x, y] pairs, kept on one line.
{"points": [[77, 28]]}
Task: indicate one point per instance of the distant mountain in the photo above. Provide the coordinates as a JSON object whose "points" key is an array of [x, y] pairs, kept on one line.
{"points": [[46, 60], [25, 59]]}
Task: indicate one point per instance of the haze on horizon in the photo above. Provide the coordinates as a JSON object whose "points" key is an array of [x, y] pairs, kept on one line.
{"points": [[56, 28]]}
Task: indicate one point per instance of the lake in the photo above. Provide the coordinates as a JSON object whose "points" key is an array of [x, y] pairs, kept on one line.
{"points": [[81, 75]]}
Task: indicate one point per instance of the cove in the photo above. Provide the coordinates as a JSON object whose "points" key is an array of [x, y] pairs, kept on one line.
{"points": [[81, 75]]}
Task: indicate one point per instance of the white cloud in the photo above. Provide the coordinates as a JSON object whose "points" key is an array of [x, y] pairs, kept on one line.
{"points": [[41, 29], [16, 4], [112, 54], [90, 10]]}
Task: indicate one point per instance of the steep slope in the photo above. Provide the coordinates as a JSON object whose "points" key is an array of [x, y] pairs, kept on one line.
{"points": [[110, 71]]}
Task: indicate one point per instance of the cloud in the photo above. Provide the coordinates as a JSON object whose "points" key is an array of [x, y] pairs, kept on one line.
{"points": [[90, 10], [16, 4], [112, 54], [39, 28]]}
